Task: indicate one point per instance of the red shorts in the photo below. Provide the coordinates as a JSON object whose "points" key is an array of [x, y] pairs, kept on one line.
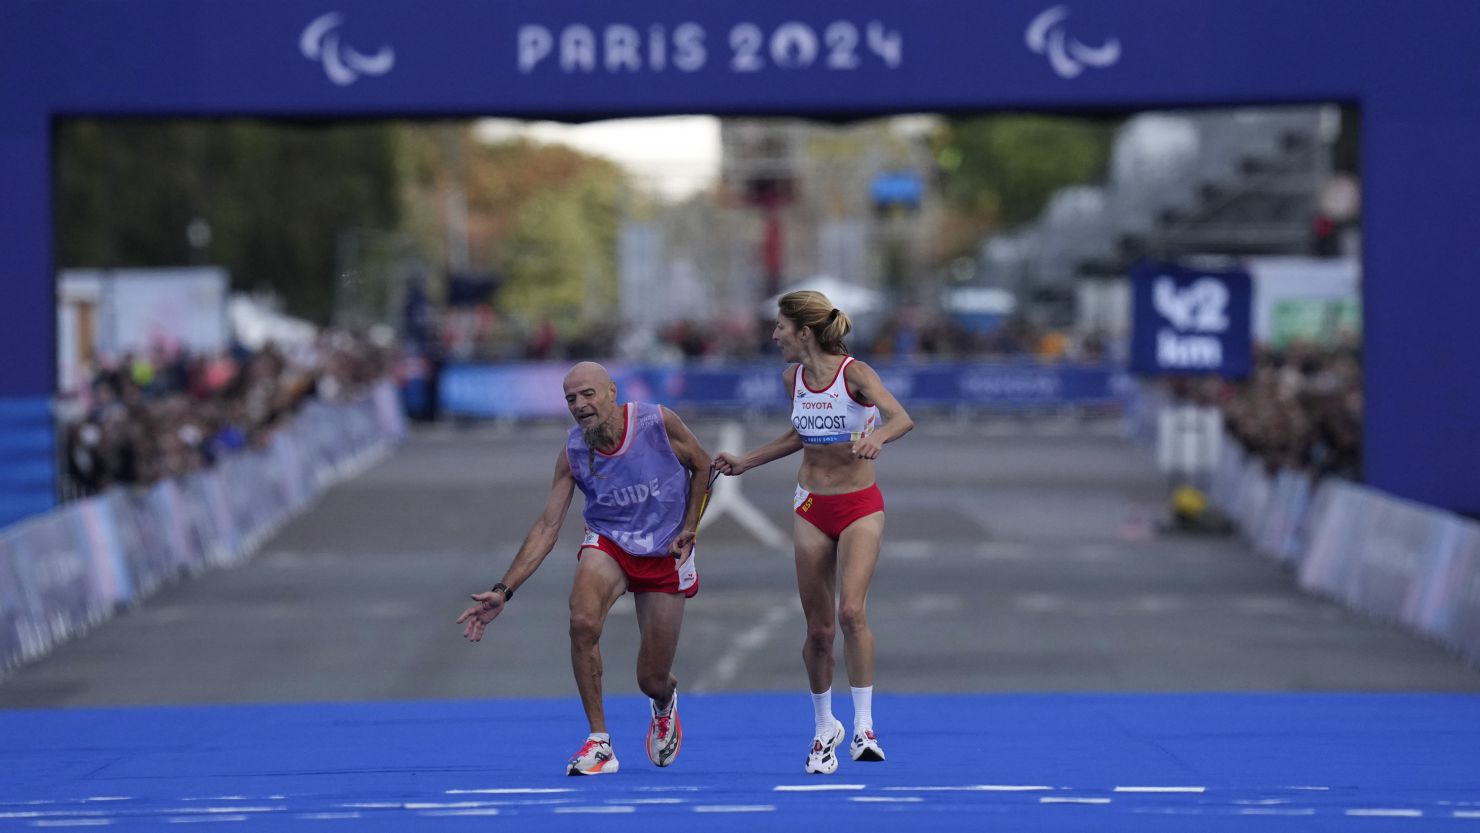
{"points": [[647, 573], [833, 513]]}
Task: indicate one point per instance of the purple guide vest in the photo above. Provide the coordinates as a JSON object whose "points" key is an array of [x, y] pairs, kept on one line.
{"points": [[637, 494]]}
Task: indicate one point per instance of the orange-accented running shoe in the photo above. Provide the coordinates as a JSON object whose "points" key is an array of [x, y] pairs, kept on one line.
{"points": [[665, 734], [595, 758]]}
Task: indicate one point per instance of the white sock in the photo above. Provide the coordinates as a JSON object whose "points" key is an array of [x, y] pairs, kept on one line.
{"points": [[863, 709], [822, 713], [604, 737]]}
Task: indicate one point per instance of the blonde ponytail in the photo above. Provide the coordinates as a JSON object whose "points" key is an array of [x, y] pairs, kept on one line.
{"points": [[814, 311]]}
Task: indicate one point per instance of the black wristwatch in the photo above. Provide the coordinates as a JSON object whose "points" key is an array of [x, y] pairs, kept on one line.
{"points": [[504, 589]]}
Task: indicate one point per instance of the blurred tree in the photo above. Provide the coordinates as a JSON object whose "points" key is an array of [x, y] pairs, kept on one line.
{"points": [[543, 217], [559, 257], [1000, 170], [274, 195]]}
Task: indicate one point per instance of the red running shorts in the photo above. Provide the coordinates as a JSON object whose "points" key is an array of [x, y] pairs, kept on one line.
{"points": [[833, 513], [647, 573]]}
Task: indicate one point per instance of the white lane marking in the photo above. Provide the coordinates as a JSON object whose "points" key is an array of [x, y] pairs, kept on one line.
{"points": [[735, 808], [727, 667], [1385, 812], [511, 791], [1006, 788], [932, 603], [1261, 801], [477, 811], [1319, 789], [72, 823], [28, 803], [527, 802], [1161, 789], [1266, 605], [199, 810], [41, 814], [886, 799], [1144, 604], [1051, 799], [371, 805], [668, 789], [619, 808], [107, 798], [1095, 552], [911, 550], [646, 800], [1467, 814], [727, 500], [327, 816], [195, 819], [446, 805], [814, 788], [1002, 550], [1277, 811]]}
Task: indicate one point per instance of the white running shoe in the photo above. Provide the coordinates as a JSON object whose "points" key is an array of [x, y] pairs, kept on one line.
{"points": [[866, 747], [665, 734], [595, 758], [822, 759]]}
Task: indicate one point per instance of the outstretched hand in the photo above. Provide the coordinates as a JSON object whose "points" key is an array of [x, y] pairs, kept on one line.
{"points": [[489, 606]]}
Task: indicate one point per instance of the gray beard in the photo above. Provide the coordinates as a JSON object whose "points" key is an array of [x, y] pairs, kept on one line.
{"points": [[601, 435]]}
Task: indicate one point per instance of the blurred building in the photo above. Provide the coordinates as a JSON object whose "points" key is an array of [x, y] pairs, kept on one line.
{"points": [[1233, 182], [851, 201]]}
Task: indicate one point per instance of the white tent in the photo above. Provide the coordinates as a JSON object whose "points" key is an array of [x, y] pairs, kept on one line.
{"points": [[857, 301], [864, 306], [256, 323]]}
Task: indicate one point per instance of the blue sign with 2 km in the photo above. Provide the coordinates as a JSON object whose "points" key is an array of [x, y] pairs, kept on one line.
{"points": [[1190, 321]]}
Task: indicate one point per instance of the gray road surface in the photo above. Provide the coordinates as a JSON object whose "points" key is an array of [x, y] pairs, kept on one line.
{"points": [[1018, 557]]}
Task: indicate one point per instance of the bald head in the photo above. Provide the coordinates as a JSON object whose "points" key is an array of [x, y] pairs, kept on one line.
{"points": [[591, 397], [587, 374]]}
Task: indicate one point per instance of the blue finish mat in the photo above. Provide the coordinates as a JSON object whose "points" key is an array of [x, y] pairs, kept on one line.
{"points": [[1009, 762]]}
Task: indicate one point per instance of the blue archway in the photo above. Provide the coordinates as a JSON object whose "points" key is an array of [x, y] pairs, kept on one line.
{"points": [[1408, 65]]}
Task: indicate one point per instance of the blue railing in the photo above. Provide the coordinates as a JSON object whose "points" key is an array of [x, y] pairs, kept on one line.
{"points": [[531, 390]]}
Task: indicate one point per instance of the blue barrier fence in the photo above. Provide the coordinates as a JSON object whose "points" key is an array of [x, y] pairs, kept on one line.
{"points": [[27, 462], [63, 571], [513, 391], [1390, 558]]}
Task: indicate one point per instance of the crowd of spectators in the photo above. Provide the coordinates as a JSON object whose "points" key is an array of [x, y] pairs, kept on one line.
{"points": [[168, 413], [1300, 409], [903, 334]]}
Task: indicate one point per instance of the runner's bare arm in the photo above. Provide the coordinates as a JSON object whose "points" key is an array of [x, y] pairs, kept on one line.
{"points": [[864, 382], [693, 456], [788, 443], [537, 544]]}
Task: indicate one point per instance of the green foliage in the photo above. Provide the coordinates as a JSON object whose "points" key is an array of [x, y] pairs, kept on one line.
{"points": [[543, 217], [559, 255], [1004, 168], [276, 197]]}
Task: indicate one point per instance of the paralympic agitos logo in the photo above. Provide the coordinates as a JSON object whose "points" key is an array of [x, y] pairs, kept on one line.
{"points": [[1047, 35], [343, 64]]}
